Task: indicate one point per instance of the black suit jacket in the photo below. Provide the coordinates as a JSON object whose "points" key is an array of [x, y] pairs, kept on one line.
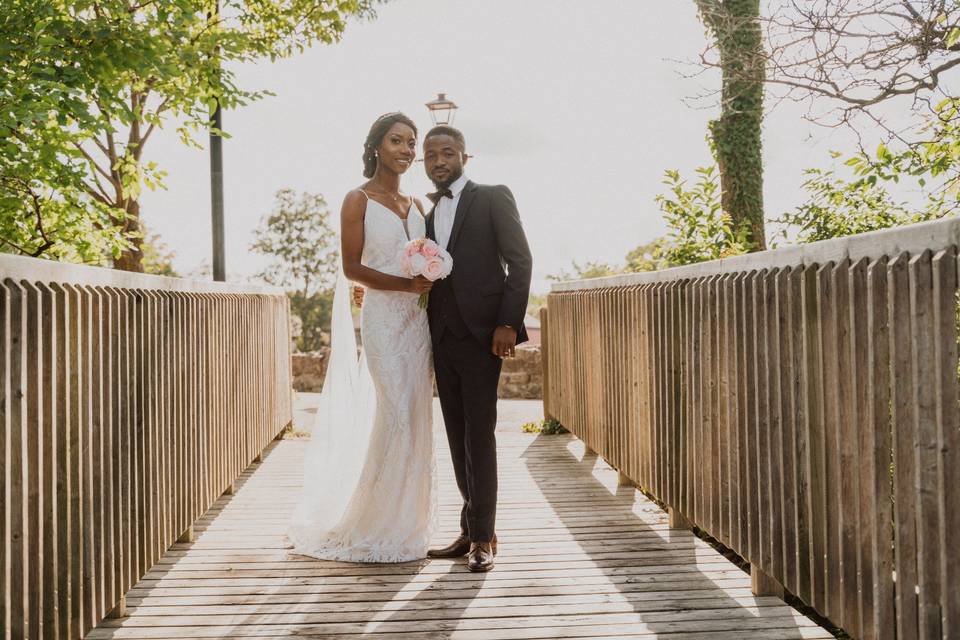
{"points": [[492, 265]]}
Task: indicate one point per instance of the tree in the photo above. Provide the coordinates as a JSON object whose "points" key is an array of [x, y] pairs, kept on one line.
{"points": [[737, 38], [44, 206], [88, 82], [933, 161], [298, 237], [838, 206], [861, 53]]}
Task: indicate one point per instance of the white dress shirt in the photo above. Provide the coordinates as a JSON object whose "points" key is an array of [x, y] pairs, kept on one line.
{"points": [[446, 211]]}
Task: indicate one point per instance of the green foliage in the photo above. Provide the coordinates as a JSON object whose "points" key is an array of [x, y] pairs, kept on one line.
{"points": [[547, 427], [68, 227], [592, 269], [314, 312], [536, 302], [87, 82], [157, 256], [44, 208], [645, 257], [838, 206], [699, 230], [933, 163], [651, 256], [303, 246]]}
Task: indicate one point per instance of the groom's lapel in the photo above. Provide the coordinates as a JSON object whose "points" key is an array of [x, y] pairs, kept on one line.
{"points": [[431, 232], [469, 191]]}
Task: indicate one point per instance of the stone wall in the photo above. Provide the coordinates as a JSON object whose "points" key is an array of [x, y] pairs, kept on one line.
{"points": [[522, 376], [309, 369]]}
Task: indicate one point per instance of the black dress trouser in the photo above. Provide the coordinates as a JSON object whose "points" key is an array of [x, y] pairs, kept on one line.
{"points": [[467, 377]]}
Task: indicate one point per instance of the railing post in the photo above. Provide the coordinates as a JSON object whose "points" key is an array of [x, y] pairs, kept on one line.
{"points": [[678, 520], [762, 584], [545, 362], [120, 610]]}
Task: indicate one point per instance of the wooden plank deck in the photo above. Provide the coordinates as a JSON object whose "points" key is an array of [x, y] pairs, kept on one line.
{"points": [[579, 557]]}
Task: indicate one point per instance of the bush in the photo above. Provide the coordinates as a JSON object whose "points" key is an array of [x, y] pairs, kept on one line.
{"points": [[547, 427], [314, 313]]}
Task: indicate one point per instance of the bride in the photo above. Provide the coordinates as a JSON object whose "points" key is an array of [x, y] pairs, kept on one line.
{"points": [[369, 491]]}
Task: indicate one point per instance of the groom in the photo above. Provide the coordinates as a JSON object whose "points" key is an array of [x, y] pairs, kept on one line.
{"points": [[476, 319]]}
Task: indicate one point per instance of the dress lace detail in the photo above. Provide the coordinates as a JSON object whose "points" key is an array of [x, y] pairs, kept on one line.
{"points": [[392, 512]]}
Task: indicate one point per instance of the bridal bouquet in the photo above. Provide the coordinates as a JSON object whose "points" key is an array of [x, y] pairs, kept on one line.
{"points": [[424, 257]]}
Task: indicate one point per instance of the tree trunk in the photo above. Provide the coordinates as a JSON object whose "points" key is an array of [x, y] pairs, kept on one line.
{"points": [[132, 258], [736, 134]]}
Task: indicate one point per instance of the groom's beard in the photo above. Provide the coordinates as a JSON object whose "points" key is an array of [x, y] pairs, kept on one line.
{"points": [[446, 183]]}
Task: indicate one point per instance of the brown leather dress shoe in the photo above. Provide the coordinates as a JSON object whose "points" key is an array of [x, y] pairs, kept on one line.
{"points": [[480, 558], [458, 548]]}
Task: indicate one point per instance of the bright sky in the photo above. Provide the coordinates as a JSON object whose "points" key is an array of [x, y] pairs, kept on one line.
{"points": [[578, 107]]}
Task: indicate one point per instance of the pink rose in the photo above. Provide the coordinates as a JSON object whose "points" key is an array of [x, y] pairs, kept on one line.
{"points": [[433, 270], [430, 248]]}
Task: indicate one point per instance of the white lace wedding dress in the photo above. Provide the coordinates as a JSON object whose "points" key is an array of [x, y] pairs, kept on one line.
{"points": [[369, 490]]}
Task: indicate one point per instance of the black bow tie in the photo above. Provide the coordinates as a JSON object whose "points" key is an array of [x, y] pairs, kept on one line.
{"points": [[442, 193]]}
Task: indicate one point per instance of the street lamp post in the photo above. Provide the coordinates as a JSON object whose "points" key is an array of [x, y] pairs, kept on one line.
{"points": [[216, 184], [442, 110], [216, 196]]}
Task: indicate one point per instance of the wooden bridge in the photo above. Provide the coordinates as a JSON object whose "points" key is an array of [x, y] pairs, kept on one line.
{"points": [[799, 406], [580, 557]]}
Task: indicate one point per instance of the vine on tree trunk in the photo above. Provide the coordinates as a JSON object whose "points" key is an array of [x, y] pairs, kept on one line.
{"points": [[735, 27]]}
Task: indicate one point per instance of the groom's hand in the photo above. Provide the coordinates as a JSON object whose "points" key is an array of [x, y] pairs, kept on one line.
{"points": [[358, 295], [504, 342]]}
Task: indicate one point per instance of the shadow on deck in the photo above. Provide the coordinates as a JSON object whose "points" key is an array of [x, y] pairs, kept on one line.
{"points": [[579, 557]]}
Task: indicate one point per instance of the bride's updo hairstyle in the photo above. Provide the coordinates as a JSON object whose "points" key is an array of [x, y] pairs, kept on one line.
{"points": [[377, 132]]}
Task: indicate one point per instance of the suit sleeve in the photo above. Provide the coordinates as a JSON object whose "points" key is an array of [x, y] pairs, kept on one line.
{"points": [[513, 247]]}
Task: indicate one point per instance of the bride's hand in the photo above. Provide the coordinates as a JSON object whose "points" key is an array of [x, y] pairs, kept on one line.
{"points": [[419, 284]]}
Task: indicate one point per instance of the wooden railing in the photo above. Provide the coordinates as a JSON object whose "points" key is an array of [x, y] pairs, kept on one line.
{"points": [[128, 404], [800, 406]]}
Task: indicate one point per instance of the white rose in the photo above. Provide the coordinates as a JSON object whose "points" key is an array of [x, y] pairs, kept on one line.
{"points": [[417, 264], [447, 264]]}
